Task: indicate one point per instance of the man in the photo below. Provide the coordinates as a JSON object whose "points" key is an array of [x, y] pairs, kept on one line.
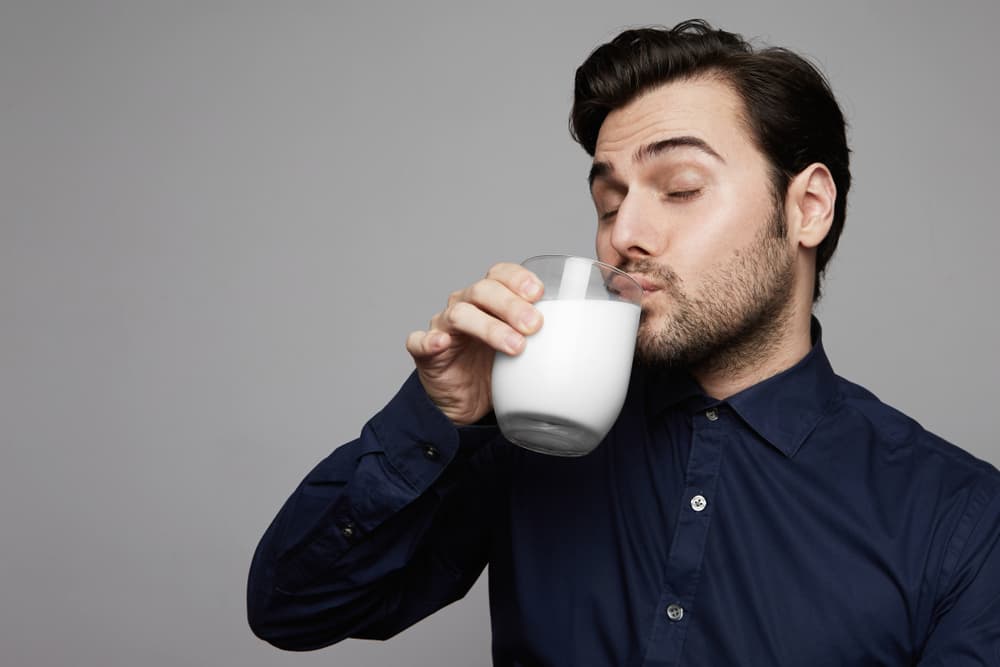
{"points": [[749, 507]]}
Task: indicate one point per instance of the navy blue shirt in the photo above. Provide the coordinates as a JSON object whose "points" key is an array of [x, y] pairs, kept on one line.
{"points": [[799, 522]]}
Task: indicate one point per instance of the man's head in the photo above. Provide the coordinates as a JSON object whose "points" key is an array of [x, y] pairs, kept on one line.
{"points": [[788, 106], [705, 152]]}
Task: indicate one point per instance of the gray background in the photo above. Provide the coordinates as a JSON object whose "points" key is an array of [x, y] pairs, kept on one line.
{"points": [[220, 221]]}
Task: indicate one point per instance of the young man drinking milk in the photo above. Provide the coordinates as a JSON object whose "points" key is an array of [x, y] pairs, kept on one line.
{"points": [[748, 507]]}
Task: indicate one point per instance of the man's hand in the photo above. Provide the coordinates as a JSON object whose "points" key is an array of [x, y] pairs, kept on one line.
{"points": [[454, 357]]}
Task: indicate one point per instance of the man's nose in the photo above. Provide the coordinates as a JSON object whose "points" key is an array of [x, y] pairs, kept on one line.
{"points": [[638, 230]]}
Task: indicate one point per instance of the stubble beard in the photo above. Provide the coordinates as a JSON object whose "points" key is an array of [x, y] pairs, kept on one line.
{"points": [[738, 319]]}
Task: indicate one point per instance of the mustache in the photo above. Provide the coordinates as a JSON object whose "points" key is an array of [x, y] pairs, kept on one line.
{"points": [[665, 277]]}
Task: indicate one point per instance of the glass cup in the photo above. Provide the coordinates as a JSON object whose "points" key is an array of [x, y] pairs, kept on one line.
{"points": [[563, 393]]}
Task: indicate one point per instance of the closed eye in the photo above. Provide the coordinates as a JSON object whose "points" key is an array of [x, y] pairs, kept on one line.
{"points": [[684, 194]]}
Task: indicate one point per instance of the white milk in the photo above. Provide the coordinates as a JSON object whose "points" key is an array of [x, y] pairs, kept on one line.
{"points": [[564, 391]]}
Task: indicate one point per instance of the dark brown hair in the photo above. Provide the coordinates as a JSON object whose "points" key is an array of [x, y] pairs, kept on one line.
{"points": [[789, 108]]}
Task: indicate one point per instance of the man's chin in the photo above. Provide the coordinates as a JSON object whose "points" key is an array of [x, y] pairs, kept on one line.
{"points": [[662, 343], [654, 352]]}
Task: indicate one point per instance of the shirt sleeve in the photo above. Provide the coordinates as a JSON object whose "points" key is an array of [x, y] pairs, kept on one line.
{"points": [[966, 625], [386, 530]]}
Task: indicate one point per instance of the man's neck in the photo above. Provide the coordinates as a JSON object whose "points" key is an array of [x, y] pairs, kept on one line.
{"points": [[757, 358]]}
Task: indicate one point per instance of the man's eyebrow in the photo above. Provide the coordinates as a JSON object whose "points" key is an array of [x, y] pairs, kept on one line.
{"points": [[650, 151], [599, 170]]}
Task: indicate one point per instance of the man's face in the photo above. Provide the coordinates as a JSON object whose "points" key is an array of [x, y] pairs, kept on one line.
{"points": [[685, 204]]}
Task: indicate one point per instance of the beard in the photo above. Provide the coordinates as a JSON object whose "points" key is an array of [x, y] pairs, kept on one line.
{"points": [[735, 321]]}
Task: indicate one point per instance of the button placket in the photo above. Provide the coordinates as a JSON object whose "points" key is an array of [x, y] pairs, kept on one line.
{"points": [[687, 550]]}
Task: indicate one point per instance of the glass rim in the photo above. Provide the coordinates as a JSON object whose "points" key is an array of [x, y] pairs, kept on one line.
{"points": [[559, 255]]}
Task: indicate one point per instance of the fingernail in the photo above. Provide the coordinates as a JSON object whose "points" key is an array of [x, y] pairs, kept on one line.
{"points": [[513, 341], [530, 319], [531, 289]]}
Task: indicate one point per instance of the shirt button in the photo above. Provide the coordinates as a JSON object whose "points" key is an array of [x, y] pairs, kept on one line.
{"points": [[712, 414], [698, 503], [347, 530], [675, 612], [431, 452]]}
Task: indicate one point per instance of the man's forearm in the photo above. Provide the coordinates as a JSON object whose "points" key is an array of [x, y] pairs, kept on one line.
{"points": [[365, 546]]}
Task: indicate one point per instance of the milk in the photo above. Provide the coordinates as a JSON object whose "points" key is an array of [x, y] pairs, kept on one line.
{"points": [[564, 391]]}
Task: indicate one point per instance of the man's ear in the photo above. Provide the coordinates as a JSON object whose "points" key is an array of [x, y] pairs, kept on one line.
{"points": [[809, 205]]}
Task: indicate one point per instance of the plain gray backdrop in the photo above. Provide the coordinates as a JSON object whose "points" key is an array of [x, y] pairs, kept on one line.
{"points": [[220, 220]]}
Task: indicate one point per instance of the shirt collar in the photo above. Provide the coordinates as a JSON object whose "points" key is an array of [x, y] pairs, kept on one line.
{"points": [[783, 409]]}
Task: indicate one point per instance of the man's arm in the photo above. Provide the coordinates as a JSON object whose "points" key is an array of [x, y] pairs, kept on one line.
{"points": [[395, 524], [386, 530], [966, 626]]}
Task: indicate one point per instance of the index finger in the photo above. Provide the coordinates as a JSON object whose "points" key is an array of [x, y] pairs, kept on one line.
{"points": [[517, 279]]}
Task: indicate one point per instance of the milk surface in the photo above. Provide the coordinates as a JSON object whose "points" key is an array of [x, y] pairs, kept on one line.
{"points": [[571, 379]]}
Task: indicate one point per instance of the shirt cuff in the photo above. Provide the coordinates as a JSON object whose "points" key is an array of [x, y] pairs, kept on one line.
{"points": [[419, 441]]}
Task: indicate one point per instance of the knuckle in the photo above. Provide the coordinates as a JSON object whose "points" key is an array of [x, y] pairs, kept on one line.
{"points": [[453, 314], [498, 270], [463, 309], [477, 291], [435, 321]]}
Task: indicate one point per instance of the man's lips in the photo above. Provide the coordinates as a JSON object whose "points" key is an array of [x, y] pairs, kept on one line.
{"points": [[645, 283]]}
